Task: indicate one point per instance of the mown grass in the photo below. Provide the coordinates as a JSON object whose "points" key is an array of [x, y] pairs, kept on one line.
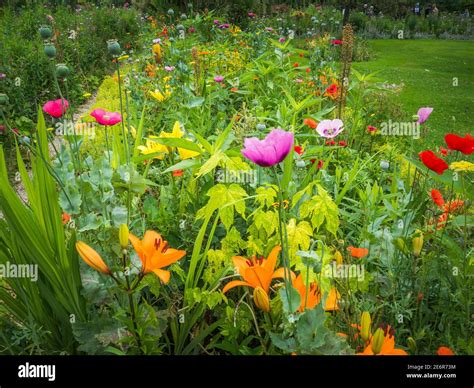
{"points": [[429, 70]]}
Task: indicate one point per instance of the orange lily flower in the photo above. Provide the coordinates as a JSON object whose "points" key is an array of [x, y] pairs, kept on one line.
{"points": [[358, 253], [257, 272], [155, 254], [91, 257], [314, 295], [388, 346]]}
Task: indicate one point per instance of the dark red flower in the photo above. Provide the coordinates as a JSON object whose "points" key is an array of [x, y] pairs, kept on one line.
{"points": [[431, 161], [331, 142], [298, 150], [336, 42], [342, 143], [371, 128], [462, 144]]}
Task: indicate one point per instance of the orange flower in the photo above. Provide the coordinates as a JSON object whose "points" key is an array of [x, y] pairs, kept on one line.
{"points": [[314, 293], [65, 218], [444, 351], [91, 257], [155, 254], [358, 253], [437, 197], [257, 272], [453, 205], [234, 90], [388, 345], [331, 301], [310, 123], [332, 91], [178, 173]]}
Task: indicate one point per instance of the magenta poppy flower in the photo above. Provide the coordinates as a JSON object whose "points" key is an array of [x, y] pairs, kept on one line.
{"points": [[56, 108], [251, 15], [330, 128], [218, 78], [169, 68], [423, 114], [282, 40], [271, 150], [269, 29], [106, 118], [216, 22], [224, 26]]}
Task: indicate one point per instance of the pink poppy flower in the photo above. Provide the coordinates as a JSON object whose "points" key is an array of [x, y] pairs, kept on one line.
{"points": [[271, 150], [218, 78], [56, 108], [330, 128], [106, 118]]}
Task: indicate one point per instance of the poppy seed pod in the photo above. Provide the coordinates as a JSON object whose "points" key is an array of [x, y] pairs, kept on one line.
{"points": [[62, 71], [123, 236], [114, 47], [417, 242], [3, 99], [45, 32], [260, 299], [365, 323], [377, 341], [50, 50]]}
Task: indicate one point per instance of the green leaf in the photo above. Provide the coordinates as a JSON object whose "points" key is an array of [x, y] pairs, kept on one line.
{"points": [[290, 298], [322, 210]]}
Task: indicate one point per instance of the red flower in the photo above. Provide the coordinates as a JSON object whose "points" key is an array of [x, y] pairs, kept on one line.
{"points": [[371, 128], [320, 163], [308, 69], [296, 64], [331, 90], [336, 42], [342, 143], [462, 144], [65, 218], [331, 142], [431, 161], [437, 197], [310, 123], [177, 173], [298, 150]]}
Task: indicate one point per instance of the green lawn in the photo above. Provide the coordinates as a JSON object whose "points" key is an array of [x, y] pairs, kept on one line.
{"points": [[427, 69]]}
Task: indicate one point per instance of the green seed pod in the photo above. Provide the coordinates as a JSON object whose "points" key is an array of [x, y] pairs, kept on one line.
{"points": [[114, 47], [62, 71], [45, 32], [50, 50]]}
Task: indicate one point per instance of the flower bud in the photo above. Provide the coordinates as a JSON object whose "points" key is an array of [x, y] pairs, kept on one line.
{"points": [[417, 242], [50, 50], [401, 245], [62, 71], [123, 235], [91, 257], [365, 323], [260, 298], [377, 341], [114, 47], [261, 127], [411, 344], [338, 258]]}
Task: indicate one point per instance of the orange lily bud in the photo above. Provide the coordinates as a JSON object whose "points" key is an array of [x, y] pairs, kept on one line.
{"points": [[123, 236], [91, 257], [260, 299], [377, 341], [365, 322], [338, 257]]}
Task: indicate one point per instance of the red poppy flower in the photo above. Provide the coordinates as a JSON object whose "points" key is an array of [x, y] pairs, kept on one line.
{"points": [[437, 197], [308, 69], [177, 173], [431, 161], [444, 351], [371, 128], [296, 64], [331, 90], [298, 150], [358, 253], [462, 144], [336, 42], [342, 143], [310, 123], [331, 142]]}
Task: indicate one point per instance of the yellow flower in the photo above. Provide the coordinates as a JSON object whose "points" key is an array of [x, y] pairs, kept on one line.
{"points": [[157, 95], [462, 165], [86, 95], [123, 57], [153, 147]]}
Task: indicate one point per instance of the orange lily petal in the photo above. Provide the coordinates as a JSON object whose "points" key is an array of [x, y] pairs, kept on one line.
{"points": [[281, 272], [162, 274], [235, 283], [240, 263], [160, 260], [270, 262], [258, 277]]}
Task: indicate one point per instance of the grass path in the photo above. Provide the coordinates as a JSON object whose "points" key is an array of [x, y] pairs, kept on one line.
{"points": [[429, 70]]}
